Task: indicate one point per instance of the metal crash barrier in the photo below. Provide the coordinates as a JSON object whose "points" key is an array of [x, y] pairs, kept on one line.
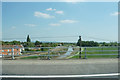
{"points": [[60, 52]]}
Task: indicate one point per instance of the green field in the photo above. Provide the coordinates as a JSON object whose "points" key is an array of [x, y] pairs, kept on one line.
{"points": [[99, 51]]}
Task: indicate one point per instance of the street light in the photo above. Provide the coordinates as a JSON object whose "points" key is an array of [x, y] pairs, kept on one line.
{"points": [[80, 41]]}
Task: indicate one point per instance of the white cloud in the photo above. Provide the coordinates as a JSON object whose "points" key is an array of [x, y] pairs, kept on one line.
{"points": [[43, 15], [68, 21], [30, 25], [115, 13], [51, 9], [55, 24], [13, 27], [59, 12]]}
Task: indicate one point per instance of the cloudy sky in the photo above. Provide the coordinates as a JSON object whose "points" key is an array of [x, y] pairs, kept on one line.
{"points": [[60, 21]]}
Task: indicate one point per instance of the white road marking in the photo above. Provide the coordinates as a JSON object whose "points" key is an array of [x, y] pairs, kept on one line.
{"points": [[60, 76]]}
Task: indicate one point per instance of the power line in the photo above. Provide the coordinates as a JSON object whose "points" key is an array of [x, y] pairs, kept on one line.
{"points": [[43, 37], [96, 38]]}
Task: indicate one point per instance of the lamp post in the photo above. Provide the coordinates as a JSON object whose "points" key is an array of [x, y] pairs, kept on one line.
{"points": [[80, 41]]}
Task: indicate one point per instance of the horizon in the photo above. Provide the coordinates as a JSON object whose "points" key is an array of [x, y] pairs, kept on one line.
{"points": [[58, 41]]}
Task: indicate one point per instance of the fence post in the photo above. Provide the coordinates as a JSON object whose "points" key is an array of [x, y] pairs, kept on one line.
{"points": [[2, 53], [85, 54], [13, 54], [48, 54]]}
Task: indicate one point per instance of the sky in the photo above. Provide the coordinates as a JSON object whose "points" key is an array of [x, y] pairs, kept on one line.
{"points": [[60, 21]]}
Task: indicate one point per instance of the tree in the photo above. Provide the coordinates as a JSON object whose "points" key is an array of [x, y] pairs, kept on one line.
{"points": [[30, 44], [79, 41], [28, 39], [15, 43], [37, 42], [86, 43]]}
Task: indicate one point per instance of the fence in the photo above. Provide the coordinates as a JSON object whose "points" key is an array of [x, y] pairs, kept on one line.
{"points": [[63, 52]]}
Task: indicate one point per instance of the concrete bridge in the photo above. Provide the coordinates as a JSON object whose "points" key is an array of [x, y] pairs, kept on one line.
{"points": [[59, 67]]}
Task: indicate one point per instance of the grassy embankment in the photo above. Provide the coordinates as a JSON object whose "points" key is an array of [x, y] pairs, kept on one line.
{"points": [[96, 51]]}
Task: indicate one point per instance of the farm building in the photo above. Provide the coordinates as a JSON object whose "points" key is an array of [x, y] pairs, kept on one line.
{"points": [[8, 49]]}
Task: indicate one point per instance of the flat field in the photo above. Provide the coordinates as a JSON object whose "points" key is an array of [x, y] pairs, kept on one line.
{"points": [[97, 52]]}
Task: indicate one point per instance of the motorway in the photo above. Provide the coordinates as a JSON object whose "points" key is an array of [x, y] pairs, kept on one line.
{"points": [[59, 67]]}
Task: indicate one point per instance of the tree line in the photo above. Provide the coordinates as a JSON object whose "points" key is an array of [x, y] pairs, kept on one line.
{"points": [[50, 44], [28, 43], [93, 43]]}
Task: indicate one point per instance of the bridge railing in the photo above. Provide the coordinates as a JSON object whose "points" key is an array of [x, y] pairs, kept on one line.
{"points": [[51, 52]]}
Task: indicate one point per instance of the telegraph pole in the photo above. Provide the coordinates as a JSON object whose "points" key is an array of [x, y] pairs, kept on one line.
{"points": [[80, 41]]}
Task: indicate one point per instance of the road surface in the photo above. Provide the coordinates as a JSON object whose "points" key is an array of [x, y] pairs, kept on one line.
{"points": [[70, 49], [59, 67]]}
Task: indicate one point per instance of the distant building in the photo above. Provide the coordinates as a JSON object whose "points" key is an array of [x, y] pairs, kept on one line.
{"points": [[7, 49]]}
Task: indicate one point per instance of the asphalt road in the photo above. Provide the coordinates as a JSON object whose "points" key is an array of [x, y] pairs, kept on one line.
{"points": [[59, 67], [70, 49]]}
